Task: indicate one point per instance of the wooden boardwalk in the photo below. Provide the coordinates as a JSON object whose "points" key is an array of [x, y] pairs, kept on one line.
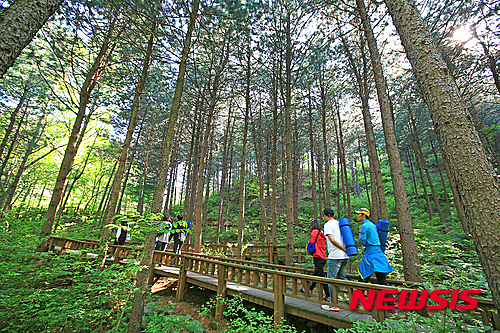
{"points": [[293, 306], [270, 285]]}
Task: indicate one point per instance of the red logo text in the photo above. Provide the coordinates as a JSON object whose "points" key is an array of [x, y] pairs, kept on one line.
{"points": [[415, 299]]}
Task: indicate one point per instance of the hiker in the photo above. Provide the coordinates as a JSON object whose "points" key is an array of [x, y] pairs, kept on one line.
{"points": [[374, 260], [319, 257], [180, 232], [163, 237], [337, 253], [122, 234]]}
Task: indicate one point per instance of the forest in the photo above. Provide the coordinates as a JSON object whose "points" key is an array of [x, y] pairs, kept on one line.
{"points": [[248, 118]]}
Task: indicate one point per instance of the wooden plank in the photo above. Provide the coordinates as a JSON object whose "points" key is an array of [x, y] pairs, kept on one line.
{"points": [[221, 292]]}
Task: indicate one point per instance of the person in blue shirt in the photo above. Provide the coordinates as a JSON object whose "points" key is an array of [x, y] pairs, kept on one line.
{"points": [[373, 260]]}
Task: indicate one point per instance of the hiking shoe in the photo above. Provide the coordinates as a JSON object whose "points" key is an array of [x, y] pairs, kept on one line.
{"points": [[327, 299], [303, 290], [330, 308]]}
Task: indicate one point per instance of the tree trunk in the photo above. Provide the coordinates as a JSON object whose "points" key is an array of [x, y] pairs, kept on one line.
{"points": [[130, 132], [313, 173], [140, 203], [174, 111], [378, 195], [274, 161], [134, 325], [222, 188], [71, 149], [19, 23], [263, 229], [409, 248], [22, 166], [326, 152], [70, 188], [426, 169], [470, 169], [364, 175], [445, 192], [12, 122], [241, 201], [125, 181], [288, 144], [411, 165]]}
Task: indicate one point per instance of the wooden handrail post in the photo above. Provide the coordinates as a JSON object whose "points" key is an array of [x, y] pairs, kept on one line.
{"points": [[181, 283], [279, 300], [220, 307]]}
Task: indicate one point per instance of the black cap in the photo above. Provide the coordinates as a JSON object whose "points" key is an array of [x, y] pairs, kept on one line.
{"points": [[179, 217], [328, 212]]}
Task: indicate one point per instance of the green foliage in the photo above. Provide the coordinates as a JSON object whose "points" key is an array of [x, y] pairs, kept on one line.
{"points": [[52, 293], [439, 322], [159, 319], [243, 320]]}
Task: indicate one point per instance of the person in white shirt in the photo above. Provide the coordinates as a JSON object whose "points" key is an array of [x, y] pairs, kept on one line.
{"points": [[337, 254], [122, 234]]}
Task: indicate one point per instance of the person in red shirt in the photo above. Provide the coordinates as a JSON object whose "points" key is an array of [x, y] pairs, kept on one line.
{"points": [[319, 257]]}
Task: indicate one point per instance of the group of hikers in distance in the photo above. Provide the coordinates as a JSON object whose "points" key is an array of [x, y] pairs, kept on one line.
{"points": [[373, 260], [168, 230], [338, 239]]}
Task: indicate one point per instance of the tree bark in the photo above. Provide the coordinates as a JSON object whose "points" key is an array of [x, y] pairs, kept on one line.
{"points": [[22, 166], [134, 114], [174, 111], [379, 203], [19, 23], [411, 266], [69, 155], [241, 201], [470, 169], [288, 147], [313, 173]]}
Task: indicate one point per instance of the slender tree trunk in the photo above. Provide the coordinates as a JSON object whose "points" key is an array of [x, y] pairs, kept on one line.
{"points": [[364, 175], [12, 121], [70, 188], [113, 201], [241, 201], [313, 173], [426, 170], [222, 188], [125, 181], [71, 149], [379, 202], [424, 185], [274, 162], [22, 166], [140, 203], [409, 248], [411, 164], [288, 144], [137, 311], [470, 169], [11, 148], [328, 200], [445, 192], [165, 160], [458, 204], [263, 229]]}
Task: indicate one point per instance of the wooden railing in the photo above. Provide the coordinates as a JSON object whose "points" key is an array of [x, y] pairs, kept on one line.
{"points": [[280, 283], [280, 280]]}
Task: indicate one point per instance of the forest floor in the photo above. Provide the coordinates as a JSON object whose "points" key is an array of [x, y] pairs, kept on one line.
{"points": [[165, 290]]}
